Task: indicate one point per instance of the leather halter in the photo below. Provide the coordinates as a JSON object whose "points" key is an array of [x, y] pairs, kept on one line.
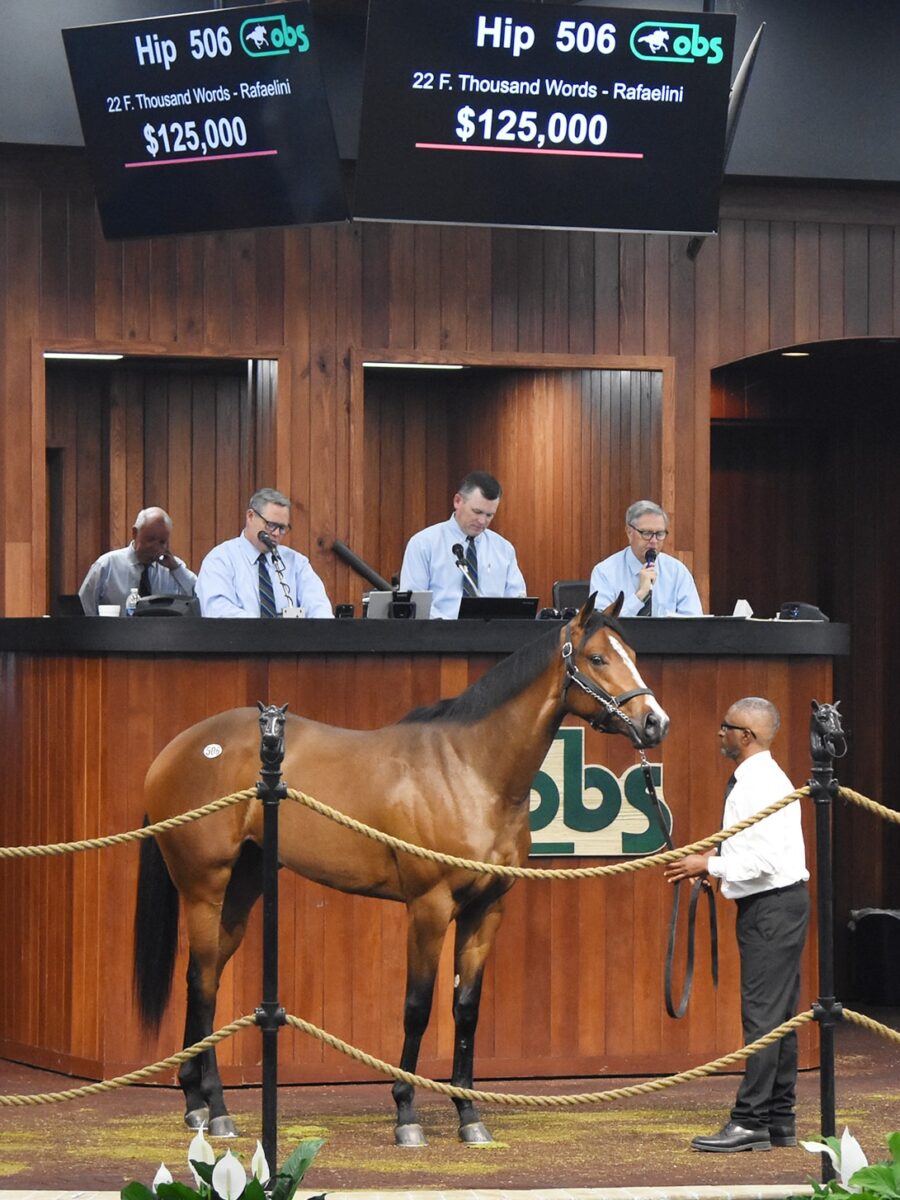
{"points": [[611, 704]]}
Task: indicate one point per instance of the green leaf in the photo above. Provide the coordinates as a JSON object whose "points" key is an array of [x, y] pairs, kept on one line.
{"points": [[204, 1170], [893, 1141], [176, 1191], [254, 1190], [880, 1179], [136, 1191], [294, 1168]]}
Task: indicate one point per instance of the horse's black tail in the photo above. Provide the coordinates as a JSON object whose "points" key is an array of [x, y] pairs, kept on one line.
{"points": [[155, 934]]}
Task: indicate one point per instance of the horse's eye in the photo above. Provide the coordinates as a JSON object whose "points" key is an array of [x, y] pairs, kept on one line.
{"points": [[597, 660]]}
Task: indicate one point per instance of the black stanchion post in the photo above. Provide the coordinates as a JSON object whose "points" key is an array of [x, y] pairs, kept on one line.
{"points": [[270, 1015], [825, 735]]}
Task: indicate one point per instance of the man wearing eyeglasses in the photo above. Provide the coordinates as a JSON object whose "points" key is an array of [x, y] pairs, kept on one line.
{"points": [[254, 575], [658, 586], [764, 871]]}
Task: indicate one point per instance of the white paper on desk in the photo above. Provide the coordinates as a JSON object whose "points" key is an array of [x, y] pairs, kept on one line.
{"points": [[742, 609]]}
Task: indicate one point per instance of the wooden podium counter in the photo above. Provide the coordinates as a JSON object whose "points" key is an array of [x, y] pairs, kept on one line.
{"points": [[575, 986]]}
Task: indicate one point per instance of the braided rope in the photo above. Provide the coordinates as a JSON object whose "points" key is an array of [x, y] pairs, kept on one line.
{"points": [[502, 1098], [386, 839], [468, 864], [886, 814], [569, 1101], [134, 835], [109, 1085]]}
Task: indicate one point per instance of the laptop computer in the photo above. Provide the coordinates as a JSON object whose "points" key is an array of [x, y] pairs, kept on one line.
{"points": [[498, 607], [379, 605]]}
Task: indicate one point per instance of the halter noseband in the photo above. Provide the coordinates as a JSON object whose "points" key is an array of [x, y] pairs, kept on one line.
{"points": [[611, 704]]}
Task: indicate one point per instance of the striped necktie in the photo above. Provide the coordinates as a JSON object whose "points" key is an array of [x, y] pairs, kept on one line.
{"points": [[266, 594], [471, 589]]}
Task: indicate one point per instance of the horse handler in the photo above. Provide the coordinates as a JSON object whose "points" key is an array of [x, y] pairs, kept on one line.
{"points": [[764, 871]]}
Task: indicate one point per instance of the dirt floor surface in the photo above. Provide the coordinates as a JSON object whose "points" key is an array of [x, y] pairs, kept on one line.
{"points": [[103, 1142]]}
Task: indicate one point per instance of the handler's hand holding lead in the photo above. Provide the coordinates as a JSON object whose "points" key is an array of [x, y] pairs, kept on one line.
{"points": [[692, 866]]}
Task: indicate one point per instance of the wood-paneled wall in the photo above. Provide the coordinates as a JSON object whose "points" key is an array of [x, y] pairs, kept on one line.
{"points": [[180, 434], [789, 265], [554, 439]]}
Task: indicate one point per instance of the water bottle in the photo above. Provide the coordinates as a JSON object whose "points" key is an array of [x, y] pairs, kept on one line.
{"points": [[131, 602]]}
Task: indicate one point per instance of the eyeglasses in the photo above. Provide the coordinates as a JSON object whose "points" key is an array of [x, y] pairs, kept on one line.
{"points": [[739, 728], [272, 526], [649, 534]]}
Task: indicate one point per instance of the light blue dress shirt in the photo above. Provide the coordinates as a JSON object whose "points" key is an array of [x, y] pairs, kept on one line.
{"points": [[674, 590], [115, 573], [228, 583], [429, 565]]}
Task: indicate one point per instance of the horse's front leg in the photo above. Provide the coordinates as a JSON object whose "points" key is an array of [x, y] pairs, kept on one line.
{"points": [[428, 918], [475, 932]]}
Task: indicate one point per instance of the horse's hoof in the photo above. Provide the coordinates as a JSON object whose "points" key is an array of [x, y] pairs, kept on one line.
{"points": [[197, 1118], [474, 1134], [409, 1135], [222, 1127]]}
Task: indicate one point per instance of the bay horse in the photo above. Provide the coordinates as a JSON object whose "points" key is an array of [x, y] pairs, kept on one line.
{"points": [[454, 777]]}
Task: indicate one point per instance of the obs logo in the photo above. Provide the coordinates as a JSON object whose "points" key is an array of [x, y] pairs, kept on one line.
{"points": [[586, 810], [261, 37], [674, 41]]}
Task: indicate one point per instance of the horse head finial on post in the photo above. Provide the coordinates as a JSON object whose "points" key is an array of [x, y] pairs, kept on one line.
{"points": [[826, 737], [271, 727]]}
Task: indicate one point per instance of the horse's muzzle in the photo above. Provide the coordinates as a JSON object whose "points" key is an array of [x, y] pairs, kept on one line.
{"points": [[651, 728]]}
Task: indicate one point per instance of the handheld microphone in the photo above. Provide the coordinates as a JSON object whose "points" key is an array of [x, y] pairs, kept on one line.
{"points": [[460, 557], [649, 561], [269, 545]]}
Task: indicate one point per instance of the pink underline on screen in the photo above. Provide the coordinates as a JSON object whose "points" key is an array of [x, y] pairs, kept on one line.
{"points": [[526, 150], [176, 162]]}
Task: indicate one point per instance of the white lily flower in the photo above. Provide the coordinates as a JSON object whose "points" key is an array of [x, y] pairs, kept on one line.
{"points": [[851, 1158], [259, 1166], [229, 1178], [163, 1175], [200, 1151]]}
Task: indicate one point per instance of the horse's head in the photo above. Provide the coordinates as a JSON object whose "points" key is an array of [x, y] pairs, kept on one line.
{"points": [[602, 684]]}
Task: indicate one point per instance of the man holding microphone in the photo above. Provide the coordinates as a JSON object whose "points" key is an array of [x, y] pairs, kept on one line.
{"points": [[653, 584]]}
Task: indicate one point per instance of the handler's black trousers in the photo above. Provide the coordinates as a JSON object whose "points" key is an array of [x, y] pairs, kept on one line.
{"points": [[771, 931]]}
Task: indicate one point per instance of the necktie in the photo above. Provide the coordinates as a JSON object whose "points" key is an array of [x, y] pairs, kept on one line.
{"points": [[144, 588], [266, 594], [729, 786], [471, 589], [645, 609]]}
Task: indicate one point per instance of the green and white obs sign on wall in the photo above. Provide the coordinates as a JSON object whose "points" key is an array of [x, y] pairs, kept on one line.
{"points": [[579, 809]]}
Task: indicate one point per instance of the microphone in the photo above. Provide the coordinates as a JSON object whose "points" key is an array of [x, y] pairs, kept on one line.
{"points": [[460, 557], [269, 545], [649, 560]]}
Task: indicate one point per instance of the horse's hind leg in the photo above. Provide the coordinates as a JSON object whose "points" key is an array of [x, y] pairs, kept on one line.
{"points": [[475, 932], [428, 921], [214, 931]]}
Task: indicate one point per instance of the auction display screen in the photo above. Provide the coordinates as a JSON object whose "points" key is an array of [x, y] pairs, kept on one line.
{"points": [[215, 120], [548, 115]]}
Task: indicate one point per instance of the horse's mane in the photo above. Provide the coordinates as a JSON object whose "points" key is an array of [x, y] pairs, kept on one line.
{"points": [[503, 682]]}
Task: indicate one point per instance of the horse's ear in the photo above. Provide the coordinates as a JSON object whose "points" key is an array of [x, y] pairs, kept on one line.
{"points": [[616, 607], [584, 614]]}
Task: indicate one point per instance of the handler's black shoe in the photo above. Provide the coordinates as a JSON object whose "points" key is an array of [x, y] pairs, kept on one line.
{"points": [[733, 1137], [783, 1135]]}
